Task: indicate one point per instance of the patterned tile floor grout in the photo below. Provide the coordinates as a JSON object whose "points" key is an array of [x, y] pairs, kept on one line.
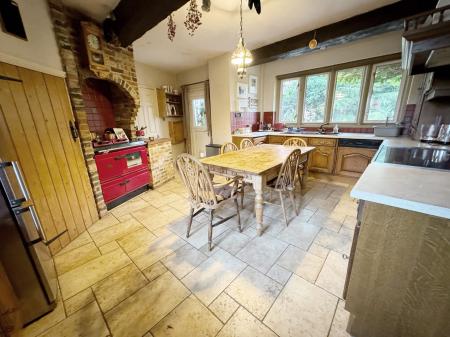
{"points": [[146, 267]]}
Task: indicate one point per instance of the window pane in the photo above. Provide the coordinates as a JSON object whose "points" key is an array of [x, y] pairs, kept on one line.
{"points": [[289, 101], [347, 95], [315, 98], [385, 90], [198, 106]]}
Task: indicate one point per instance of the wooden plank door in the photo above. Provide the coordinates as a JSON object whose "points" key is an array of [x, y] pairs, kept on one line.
{"points": [[34, 129]]}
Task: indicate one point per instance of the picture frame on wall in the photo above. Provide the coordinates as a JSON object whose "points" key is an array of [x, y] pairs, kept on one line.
{"points": [[253, 84], [243, 105], [242, 90]]}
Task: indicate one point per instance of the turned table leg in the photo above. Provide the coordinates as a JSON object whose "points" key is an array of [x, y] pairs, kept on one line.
{"points": [[258, 184]]}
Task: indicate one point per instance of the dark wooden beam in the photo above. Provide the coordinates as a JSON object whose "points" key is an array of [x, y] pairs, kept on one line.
{"points": [[133, 18], [381, 20]]}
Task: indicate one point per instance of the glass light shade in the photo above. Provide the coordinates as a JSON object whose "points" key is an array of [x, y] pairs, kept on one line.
{"points": [[241, 55]]}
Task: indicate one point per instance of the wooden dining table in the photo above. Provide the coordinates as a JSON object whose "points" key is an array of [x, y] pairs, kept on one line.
{"points": [[257, 165]]}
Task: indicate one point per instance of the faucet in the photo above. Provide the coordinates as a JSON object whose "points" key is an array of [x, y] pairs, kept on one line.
{"points": [[322, 129]]}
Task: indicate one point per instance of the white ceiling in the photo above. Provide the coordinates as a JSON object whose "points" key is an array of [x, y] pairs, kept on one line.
{"points": [[219, 31]]}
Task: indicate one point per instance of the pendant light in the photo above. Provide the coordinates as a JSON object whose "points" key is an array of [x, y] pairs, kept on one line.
{"points": [[241, 57]]}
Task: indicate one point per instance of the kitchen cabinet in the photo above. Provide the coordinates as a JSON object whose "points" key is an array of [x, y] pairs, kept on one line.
{"points": [[169, 105], [353, 161], [176, 132], [276, 139], [322, 159]]}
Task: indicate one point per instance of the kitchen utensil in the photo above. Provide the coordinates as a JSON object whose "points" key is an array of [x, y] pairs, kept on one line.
{"points": [[444, 134], [109, 135], [428, 132]]}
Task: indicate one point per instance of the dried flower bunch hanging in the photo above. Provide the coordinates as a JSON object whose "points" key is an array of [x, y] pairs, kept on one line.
{"points": [[171, 28], [193, 18]]}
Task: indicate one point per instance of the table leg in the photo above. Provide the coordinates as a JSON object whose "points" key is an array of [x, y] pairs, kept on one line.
{"points": [[258, 184]]}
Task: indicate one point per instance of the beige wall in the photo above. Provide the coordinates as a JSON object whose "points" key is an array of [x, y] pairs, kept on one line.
{"points": [[40, 51], [194, 75], [371, 47], [151, 78]]}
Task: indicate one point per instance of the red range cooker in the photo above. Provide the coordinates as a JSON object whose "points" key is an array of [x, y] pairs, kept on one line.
{"points": [[123, 172]]}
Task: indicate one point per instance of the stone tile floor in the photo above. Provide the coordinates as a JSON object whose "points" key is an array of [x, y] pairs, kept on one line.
{"points": [[134, 273]]}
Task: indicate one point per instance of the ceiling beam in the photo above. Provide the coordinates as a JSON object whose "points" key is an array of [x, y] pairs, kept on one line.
{"points": [[381, 20], [133, 18]]}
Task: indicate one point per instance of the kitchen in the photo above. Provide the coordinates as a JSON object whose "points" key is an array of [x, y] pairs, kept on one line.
{"points": [[102, 233]]}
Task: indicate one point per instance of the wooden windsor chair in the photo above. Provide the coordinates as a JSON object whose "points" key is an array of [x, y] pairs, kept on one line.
{"points": [[303, 161], [245, 143], [203, 194]]}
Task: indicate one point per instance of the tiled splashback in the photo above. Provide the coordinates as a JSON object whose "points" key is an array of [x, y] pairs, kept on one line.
{"points": [[242, 119], [99, 110]]}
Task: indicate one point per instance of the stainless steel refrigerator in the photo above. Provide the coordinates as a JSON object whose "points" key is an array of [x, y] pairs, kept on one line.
{"points": [[23, 247]]}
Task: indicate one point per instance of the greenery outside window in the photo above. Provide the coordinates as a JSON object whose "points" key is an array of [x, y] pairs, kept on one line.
{"points": [[354, 93], [347, 95], [289, 101], [384, 92], [315, 98]]}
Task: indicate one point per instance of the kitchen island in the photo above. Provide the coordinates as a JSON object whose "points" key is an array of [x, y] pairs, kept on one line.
{"points": [[398, 276]]}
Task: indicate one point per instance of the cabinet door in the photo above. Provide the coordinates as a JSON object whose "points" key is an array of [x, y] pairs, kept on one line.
{"points": [[353, 161], [322, 159], [161, 97], [276, 139]]}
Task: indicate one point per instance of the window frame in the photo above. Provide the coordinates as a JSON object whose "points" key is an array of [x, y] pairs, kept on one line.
{"points": [[361, 94], [297, 98], [370, 90], [367, 64]]}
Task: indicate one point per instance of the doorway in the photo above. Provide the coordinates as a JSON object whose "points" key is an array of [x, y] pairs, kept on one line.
{"points": [[198, 119]]}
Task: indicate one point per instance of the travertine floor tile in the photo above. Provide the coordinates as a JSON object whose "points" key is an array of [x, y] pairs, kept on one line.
{"points": [[81, 240], [302, 263], [211, 277], [318, 250], [223, 307], [243, 324], [109, 247], [118, 286], [107, 221], [262, 252], [184, 260], [339, 325], [148, 254], [78, 301], [115, 232], [199, 236], [255, 291], [75, 258], [136, 239], [141, 311], [154, 271], [91, 272], [279, 274], [332, 276], [129, 207], [302, 309], [86, 322], [299, 234], [232, 241], [334, 241], [190, 318]]}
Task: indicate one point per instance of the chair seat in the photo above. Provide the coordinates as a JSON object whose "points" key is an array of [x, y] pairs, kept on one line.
{"points": [[223, 192]]}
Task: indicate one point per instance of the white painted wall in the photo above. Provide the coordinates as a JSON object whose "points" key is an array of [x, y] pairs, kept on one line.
{"points": [[220, 83], [150, 78], [40, 51], [194, 75], [371, 47]]}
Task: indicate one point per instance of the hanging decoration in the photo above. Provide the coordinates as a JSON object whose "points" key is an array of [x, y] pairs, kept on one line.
{"points": [[171, 28], [193, 17], [206, 5], [242, 57], [257, 4], [313, 43]]}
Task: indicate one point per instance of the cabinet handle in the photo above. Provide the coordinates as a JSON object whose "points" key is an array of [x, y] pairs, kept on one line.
{"points": [[120, 157]]}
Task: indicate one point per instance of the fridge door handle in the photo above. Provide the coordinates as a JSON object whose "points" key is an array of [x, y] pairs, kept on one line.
{"points": [[14, 202]]}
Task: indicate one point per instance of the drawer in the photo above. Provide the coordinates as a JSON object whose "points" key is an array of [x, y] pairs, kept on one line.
{"points": [[114, 189], [276, 139], [322, 142], [137, 180]]}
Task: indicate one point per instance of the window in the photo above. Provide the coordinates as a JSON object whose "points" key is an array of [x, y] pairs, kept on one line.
{"points": [[384, 92], [347, 95], [315, 98], [289, 101], [362, 92], [198, 106]]}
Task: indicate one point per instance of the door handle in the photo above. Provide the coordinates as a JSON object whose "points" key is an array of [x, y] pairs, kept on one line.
{"points": [[73, 130]]}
